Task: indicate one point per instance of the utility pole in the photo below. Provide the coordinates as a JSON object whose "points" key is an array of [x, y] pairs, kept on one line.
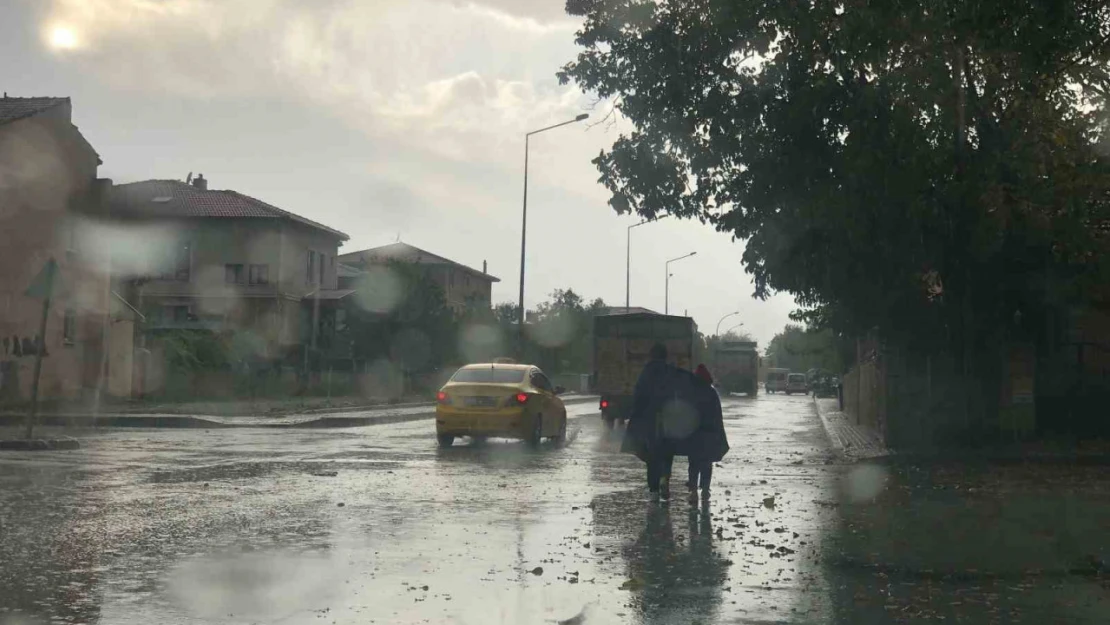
{"points": [[42, 286], [524, 224], [667, 287], [628, 261]]}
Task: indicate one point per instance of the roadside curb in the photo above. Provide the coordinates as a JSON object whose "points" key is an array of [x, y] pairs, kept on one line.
{"points": [[849, 440], [39, 444], [208, 422], [330, 419]]}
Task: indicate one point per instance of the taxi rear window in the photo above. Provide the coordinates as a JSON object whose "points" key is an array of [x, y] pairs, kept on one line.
{"points": [[489, 376]]}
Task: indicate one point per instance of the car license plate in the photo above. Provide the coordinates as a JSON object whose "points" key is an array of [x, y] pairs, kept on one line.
{"points": [[481, 401]]}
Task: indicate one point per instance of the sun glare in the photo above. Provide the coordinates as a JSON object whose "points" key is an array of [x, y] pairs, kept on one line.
{"points": [[63, 38]]}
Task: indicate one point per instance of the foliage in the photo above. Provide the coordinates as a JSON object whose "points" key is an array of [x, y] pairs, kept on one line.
{"points": [[800, 349], [194, 350], [561, 336], [925, 167], [401, 314]]}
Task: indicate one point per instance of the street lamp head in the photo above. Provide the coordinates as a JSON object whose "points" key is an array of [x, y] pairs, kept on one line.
{"points": [[693, 253], [581, 117]]}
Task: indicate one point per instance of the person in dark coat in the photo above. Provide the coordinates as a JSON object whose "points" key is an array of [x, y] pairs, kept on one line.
{"points": [[642, 436], [709, 443]]}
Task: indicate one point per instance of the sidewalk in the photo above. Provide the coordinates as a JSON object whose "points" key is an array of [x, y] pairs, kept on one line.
{"points": [[855, 442]]}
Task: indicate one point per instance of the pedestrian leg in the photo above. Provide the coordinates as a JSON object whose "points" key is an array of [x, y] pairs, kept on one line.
{"points": [[706, 477], [653, 473], [666, 462]]}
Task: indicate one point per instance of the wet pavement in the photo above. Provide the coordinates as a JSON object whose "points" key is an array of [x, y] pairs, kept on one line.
{"points": [[377, 525]]}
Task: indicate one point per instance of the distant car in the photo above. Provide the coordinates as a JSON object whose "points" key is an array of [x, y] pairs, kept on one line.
{"points": [[501, 400], [776, 380], [796, 383]]}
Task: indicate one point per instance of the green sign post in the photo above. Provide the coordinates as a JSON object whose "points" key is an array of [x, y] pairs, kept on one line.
{"points": [[42, 286]]}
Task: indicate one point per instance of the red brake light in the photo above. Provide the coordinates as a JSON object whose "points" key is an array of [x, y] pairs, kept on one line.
{"points": [[521, 398], [441, 397], [605, 403]]}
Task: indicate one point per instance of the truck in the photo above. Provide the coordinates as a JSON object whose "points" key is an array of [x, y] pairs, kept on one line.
{"points": [[621, 346], [736, 367]]}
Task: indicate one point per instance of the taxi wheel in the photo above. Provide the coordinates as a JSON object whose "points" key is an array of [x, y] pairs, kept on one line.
{"points": [[536, 434], [561, 437], [445, 440]]}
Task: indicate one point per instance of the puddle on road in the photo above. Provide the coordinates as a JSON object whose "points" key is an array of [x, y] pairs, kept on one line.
{"points": [[269, 586]]}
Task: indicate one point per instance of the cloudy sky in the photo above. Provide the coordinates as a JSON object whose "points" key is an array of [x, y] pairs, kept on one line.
{"points": [[381, 118]]}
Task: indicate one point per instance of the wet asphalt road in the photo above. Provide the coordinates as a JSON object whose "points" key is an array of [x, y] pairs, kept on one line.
{"points": [[377, 525]]}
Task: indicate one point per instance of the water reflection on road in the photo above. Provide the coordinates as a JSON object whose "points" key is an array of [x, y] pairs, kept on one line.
{"points": [[378, 525]]}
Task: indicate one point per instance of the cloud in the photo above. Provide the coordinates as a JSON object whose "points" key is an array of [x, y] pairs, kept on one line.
{"points": [[422, 66]]}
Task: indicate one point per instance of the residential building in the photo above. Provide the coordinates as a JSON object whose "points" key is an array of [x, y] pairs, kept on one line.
{"points": [[227, 262], [50, 197], [462, 285]]}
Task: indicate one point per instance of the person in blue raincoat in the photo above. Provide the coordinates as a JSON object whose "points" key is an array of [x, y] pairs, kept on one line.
{"points": [[643, 436]]}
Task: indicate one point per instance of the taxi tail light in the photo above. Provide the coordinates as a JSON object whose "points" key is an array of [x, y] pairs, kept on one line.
{"points": [[442, 398], [604, 404], [521, 398]]}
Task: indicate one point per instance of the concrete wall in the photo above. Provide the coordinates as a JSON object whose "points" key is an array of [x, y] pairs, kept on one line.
{"points": [[48, 194]]}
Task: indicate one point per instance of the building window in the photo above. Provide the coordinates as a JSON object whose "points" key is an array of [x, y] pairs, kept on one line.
{"points": [[183, 262], [233, 274], [259, 274], [69, 327], [71, 240], [178, 263], [321, 282], [311, 266], [177, 314]]}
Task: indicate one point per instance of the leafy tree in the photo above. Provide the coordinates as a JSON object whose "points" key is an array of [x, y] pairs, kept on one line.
{"points": [[928, 167], [800, 349], [399, 313], [563, 329], [559, 335]]}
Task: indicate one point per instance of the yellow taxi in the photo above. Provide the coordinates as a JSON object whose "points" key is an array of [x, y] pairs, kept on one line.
{"points": [[503, 400]]}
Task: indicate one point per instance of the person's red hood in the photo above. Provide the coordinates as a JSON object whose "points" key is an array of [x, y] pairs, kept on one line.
{"points": [[703, 372]]}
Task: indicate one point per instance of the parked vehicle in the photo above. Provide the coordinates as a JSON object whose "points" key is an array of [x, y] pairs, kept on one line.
{"points": [[503, 400], [795, 383], [824, 386], [621, 346], [735, 367], [776, 380]]}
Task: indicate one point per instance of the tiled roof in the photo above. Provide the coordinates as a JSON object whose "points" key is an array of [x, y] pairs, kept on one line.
{"points": [[407, 253], [174, 198], [12, 109], [344, 270]]}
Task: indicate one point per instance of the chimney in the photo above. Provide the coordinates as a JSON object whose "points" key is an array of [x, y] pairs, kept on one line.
{"points": [[200, 183], [484, 266]]}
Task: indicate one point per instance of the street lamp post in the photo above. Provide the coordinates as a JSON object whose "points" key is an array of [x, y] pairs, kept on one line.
{"points": [[667, 287], [734, 327], [717, 332], [628, 261], [524, 223]]}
